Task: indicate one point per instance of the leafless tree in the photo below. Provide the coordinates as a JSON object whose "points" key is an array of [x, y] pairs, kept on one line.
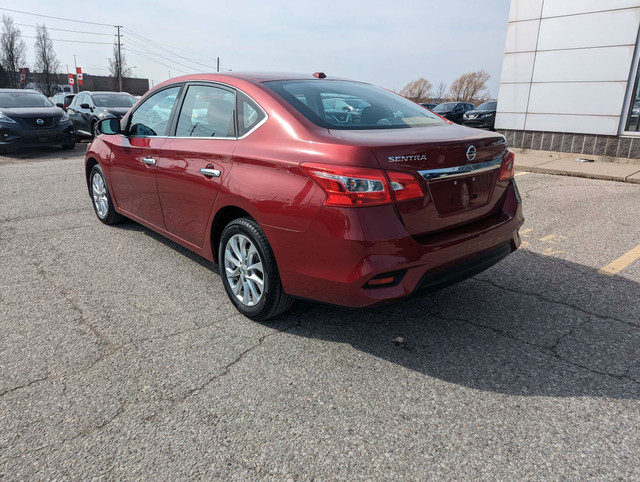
{"points": [[441, 91], [12, 50], [46, 61], [470, 87], [418, 90], [115, 67]]}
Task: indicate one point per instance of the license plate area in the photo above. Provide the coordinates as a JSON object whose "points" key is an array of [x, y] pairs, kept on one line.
{"points": [[462, 193]]}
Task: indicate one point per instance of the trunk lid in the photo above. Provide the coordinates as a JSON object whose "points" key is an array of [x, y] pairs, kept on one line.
{"points": [[456, 166]]}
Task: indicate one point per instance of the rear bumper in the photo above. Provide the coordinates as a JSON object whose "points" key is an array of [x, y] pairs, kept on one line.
{"points": [[14, 137], [345, 248]]}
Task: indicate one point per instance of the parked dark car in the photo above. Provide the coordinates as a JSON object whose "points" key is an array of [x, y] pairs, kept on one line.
{"points": [[63, 100], [90, 107], [483, 116], [257, 174], [428, 105], [453, 110], [28, 119]]}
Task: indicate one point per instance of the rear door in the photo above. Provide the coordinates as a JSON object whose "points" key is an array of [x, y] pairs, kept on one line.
{"points": [[196, 158], [135, 156]]}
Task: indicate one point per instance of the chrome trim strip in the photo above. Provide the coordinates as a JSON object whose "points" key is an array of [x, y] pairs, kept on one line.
{"points": [[465, 170]]}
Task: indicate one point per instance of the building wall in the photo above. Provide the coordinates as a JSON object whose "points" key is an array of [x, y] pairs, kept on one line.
{"points": [[566, 69]]}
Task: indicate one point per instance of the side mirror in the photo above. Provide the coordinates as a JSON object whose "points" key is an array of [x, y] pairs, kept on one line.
{"points": [[85, 106], [109, 126], [60, 104]]}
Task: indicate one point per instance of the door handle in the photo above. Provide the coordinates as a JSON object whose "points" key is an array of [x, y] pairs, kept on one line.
{"points": [[210, 172], [149, 161]]}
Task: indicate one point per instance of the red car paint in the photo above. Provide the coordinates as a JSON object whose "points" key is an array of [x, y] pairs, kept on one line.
{"points": [[324, 252]]}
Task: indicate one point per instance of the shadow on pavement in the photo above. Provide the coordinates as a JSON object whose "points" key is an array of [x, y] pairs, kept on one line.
{"points": [[532, 326], [43, 153]]}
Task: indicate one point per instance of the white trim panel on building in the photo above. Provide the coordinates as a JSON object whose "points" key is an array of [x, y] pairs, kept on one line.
{"points": [[588, 98], [522, 36], [517, 67], [556, 8], [528, 10], [617, 27], [513, 98], [579, 124], [511, 119], [607, 64]]}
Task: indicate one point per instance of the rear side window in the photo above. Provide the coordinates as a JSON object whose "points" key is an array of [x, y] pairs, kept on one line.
{"points": [[151, 118], [249, 114], [337, 104], [207, 111]]}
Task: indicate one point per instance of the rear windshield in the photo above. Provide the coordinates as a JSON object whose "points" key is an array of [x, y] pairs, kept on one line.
{"points": [[337, 104], [113, 100], [23, 99]]}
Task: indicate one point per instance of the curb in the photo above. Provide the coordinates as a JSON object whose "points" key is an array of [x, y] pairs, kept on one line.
{"points": [[632, 178]]}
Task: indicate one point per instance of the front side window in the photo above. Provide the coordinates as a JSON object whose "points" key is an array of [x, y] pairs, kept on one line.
{"points": [[207, 111], [487, 106], [151, 118], [337, 104]]}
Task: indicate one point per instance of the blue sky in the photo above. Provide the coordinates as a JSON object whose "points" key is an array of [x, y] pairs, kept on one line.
{"points": [[383, 42]]}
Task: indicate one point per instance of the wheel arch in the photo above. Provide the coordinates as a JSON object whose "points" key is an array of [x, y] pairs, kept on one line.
{"points": [[223, 217], [88, 166]]}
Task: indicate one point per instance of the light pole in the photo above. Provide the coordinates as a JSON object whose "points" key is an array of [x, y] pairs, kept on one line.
{"points": [[76, 86]]}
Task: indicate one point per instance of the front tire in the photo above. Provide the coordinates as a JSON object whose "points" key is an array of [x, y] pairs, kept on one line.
{"points": [[102, 203], [249, 271], [94, 129], [70, 146]]}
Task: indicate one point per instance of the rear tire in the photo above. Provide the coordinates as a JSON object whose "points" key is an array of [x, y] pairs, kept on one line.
{"points": [[102, 202], [249, 272]]}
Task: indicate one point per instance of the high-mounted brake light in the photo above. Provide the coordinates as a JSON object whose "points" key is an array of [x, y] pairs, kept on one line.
{"points": [[508, 166], [355, 186]]}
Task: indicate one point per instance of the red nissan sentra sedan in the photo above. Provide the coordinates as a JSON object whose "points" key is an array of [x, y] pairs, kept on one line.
{"points": [[304, 186]]}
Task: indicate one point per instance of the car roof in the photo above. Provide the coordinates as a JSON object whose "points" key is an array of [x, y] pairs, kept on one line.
{"points": [[18, 91], [252, 76], [102, 92]]}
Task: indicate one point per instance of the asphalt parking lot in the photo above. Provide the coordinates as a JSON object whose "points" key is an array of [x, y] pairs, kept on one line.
{"points": [[120, 356]]}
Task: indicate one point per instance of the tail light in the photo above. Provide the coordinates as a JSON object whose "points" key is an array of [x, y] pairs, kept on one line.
{"points": [[508, 166], [346, 186], [404, 186], [353, 186]]}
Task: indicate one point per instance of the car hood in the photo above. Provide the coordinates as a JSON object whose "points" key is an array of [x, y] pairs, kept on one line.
{"points": [[116, 111], [480, 112], [26, 112]]}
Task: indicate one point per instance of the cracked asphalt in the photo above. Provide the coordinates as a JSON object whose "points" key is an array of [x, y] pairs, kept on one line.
{"points": [[121, 358]]}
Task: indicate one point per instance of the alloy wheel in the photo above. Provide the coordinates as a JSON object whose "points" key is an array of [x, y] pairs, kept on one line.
{"points": [[99, 193], [244, 270]]}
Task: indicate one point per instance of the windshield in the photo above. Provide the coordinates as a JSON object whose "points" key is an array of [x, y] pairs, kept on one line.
{"points": [[337, 104], [487, 106], [114, 100], [447, 106], [10, 100]]}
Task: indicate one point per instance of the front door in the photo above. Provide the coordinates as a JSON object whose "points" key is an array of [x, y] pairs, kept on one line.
{"points": [[135, 154]]}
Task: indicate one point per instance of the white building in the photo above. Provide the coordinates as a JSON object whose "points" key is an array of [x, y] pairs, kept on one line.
{"points": [[570, 77]]}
